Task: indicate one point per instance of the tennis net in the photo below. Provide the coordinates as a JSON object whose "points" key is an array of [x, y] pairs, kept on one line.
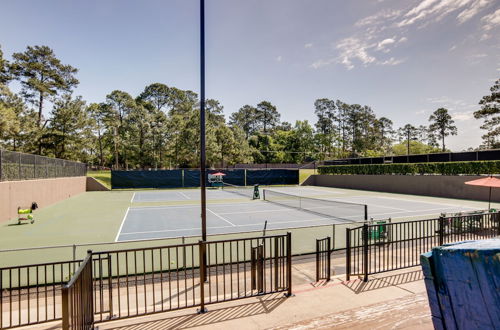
{"points": [[239, 190], [344, 211]]}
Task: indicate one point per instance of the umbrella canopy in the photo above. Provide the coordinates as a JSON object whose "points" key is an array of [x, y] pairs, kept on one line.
{"points": [[222, 174], [485, 182]]}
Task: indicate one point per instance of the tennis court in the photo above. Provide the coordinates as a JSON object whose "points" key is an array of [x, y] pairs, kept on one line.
{"points": [[284, 207]]}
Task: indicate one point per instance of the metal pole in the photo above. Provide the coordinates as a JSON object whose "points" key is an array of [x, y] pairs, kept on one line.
{"points": [[202, 124], [289, 263], [348, 253], [489, 201], [365, 252]]}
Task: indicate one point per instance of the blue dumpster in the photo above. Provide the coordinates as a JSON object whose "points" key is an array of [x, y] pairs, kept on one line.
{"points": [[463, 284]]}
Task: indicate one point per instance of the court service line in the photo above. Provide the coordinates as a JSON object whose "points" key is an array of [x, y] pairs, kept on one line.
{"points": [[184, 195], [221, 217], [132, 199], [121, 226]]}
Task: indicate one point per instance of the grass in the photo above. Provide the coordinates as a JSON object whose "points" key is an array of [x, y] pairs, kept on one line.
{"points": [[103, 177], [305, 173]]}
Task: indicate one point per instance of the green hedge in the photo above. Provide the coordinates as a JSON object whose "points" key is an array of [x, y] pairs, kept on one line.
{"points": [[452, 168]]}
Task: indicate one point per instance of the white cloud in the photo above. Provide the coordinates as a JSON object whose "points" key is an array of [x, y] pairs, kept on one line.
{"points": [[437, 9], [308, 45], [379, 34], [391, 61], [354, 49], [379, 17], [386, 42], [421, 112], [463, 115], [473, 10], [491, 21], [279, 58]]}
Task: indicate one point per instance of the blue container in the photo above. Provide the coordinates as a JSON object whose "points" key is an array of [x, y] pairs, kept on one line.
{"points": [[463, 284]]}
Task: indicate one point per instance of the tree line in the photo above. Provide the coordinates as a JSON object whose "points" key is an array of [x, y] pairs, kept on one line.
{"points": [[159, 128]]}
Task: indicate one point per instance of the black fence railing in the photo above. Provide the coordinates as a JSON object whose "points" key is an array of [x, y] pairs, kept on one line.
{"points": [[31, 294], [378, 248], [16, 166], [152, 280], [77, 302], [120, 284], [323, 259], [422, 158]]}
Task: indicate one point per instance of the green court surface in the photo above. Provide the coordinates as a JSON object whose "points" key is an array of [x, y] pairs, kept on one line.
{"points": [[73, 226]]}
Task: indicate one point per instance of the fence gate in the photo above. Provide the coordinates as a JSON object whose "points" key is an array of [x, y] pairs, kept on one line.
{"points": [[77, 298], [323, 259]]}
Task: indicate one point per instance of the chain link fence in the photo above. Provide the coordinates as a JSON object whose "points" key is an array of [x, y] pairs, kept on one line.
{"points": [[19, 166]]}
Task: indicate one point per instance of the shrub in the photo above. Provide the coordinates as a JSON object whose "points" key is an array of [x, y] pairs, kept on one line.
{"points": [[451, 168]]}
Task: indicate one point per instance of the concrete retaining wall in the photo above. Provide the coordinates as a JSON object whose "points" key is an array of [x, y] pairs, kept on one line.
{"points": [[427, 185], [45, 192]]}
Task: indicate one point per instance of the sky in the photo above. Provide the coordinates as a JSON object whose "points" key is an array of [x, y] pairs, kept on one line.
{"points": [[404, 58]]}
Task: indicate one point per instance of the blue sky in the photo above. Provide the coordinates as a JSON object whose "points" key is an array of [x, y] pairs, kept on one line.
{"points": [[403, 58]]}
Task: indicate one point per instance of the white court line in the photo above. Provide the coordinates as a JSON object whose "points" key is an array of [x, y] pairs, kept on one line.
{"points": [[420, 201], [187, 206], [132, 199], [220, 217], [184, 195], [121, 226], [245, 225]]}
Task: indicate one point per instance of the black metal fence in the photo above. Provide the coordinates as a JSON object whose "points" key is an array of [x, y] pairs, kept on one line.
{"points": [[19, 166], [152, 280], [77, 302], [31, 294], [323, 259], [422, 158], [127, 283], [372, 249]]}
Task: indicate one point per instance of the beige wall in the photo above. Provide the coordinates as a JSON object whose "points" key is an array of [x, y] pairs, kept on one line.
{"points": [[428, 185], [44, 192]]}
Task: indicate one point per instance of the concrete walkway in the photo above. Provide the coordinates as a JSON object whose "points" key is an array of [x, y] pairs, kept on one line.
{"points": [[397, 300]]}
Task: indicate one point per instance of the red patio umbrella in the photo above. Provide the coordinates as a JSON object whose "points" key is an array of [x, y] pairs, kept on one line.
{"points": [[490, 182], [218, 174]]}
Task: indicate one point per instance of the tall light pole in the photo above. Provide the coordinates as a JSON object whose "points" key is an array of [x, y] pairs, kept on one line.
{"points": [[202, 125]]}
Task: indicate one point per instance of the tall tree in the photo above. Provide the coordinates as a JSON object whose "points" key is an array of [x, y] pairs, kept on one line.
{"points": [[42, 75], [325, 110], [490, 113], [386, 132], [4, 69], [159, 95], [267, 116], [245, 118], [442, 125], [407, 134], [69, 121]]}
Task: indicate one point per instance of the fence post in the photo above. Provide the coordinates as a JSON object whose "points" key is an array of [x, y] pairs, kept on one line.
{"points": [[65, 308], [441, 230], [329, 260], [289, 263], [365, 252], [317, 259], [497, 220], [201, 245], [348, 253], [110, 286]]}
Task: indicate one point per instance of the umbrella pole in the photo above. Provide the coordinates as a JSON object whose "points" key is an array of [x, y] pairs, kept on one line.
{"points": [[489, 201]]}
